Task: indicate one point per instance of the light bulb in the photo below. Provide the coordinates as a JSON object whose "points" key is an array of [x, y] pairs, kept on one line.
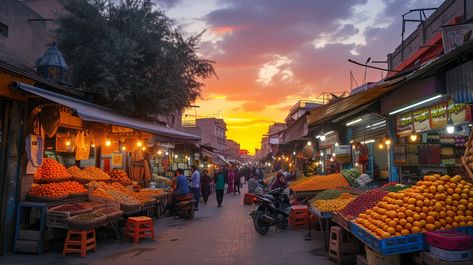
{"points": [[294, 153], [322, 138], [93, 145], [336, 144], [380, 146], [160, 152], [143, 148], [108, 143], [387, 141], [123, 148], [309, 143], [175, 156], [356, 164], [139, 143], [68, 143], [413, 137], [167, 153]]}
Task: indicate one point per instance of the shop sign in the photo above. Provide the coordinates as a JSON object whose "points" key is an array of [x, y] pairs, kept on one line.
{"points": [[421, 120], [438, 116], [117, 160], [404, 125], [455, 36], [460, 113], [274, 140], [343, 150]]}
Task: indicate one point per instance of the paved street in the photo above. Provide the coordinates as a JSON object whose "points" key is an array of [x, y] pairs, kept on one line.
{"points": [[216, 236]]}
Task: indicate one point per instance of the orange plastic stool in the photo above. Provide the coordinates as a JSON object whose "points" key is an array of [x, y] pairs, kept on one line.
{"points": [[78, 241], [248, 199], [335, 246], [299, 217], [139, 227]]}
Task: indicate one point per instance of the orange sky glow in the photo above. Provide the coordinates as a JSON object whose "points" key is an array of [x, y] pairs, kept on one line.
{"points": [[271, 53]]}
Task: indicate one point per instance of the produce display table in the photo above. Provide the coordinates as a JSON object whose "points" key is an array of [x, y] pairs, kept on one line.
{"points": [[341, 221], [324, 222]]}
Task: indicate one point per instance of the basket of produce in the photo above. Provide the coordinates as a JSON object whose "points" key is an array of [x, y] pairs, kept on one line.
{"points": [[363, 202], [55, 191], [87, 221], [51, 171], [333, 205], [72, 209], [92, 204], [111, 213], [120, 176], [128, 204], [351, 175]]}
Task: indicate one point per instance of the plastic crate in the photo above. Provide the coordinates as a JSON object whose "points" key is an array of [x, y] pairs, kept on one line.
{"points": [[449, 240], [447, 255], [466, 229], [57, 219], [390, 246]]}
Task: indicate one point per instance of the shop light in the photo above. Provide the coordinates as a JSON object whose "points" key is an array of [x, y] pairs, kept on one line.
{"points": [[167, 153], [353, 147], [387, 141], [93, 145], [160, 152], [316, 164], [415, 104], [354, 122], [201, 165], [376, 124], [309, 143], [139, 143], [175, 156], [290, 164], [336, 144], [108, 142], [356, 164], [269, 164], [294, 153], [123, 148], [143, 148], [334, 155], [331, 159], [322, 138], [380, 145], [450, 126], [321, 153], [68, 142], [413, 137], [368, 141]]}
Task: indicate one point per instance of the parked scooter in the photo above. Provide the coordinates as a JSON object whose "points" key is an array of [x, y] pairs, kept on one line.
{"points": [[269, 210], [184, 207]]}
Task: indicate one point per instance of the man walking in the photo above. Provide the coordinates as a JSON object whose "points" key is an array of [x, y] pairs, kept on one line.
{"points": [[219, 179], [195, 185]]}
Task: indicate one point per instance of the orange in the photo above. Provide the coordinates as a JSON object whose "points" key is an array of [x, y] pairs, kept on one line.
{"points": [[399, 228], [404, 232], [419, 203], [402, 222], [411, 201], [410, 219], [409, 213], [401, 215], [392, 223], [422, 216], [391, 230], [416, 217], [449, 219], [461, 207], [385, 235], [412, 207], [450, 191], [429, 227], [430, 219], [408, 226], [415, 229]]}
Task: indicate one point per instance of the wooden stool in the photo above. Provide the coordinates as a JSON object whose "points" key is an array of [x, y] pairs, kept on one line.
{"points": [[335, 245], [78, 241], [139, 227]]}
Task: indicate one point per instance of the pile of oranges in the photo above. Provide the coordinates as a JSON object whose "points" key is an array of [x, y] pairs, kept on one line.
{"points": [[51, 169], [56, 190], [434, 203]]}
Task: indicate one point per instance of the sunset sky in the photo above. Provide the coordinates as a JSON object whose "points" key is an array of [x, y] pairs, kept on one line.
{"points": [[271, 53]]}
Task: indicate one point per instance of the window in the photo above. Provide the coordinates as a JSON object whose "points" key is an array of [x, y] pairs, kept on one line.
{"points": [[3, 30]]}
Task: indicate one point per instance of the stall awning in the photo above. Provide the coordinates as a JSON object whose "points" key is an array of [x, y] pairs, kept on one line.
{"points": [[351, 102], [296, 130], [91, 112]]}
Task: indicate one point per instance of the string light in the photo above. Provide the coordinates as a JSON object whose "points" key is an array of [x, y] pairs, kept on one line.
{"points": [[108, 142]]}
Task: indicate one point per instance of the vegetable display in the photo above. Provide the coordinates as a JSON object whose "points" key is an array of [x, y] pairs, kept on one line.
{"points": [[352, 175], [327, 195], [434, 203], [120, 175], [56, 190], [363, 202]]}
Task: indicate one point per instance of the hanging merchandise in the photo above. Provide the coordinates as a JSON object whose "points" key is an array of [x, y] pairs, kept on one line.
{"points": [[49, 118], [65, 142], [34, 149], [363, 154], [98, 134], [82, 143]]}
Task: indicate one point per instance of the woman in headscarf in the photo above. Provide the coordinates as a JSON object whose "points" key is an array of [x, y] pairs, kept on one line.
{"points": [[280, 182]]}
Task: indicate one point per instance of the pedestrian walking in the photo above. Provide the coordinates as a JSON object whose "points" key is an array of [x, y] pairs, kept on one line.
{"points": [[220, 179], [230, 180], [195, 185], [237, 182], [205, 185]]}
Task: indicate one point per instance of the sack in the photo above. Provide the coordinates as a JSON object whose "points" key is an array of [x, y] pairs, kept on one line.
{"points": [[82, 146]]}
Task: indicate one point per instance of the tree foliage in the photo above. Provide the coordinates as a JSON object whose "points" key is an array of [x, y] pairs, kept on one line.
{"points": [[132, 54]]}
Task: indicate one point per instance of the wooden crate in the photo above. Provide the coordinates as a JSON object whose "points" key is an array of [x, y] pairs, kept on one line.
{"points": [[57, 219]]}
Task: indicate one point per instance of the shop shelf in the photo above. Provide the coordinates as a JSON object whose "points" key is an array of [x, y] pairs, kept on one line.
{"points": [[390, 246]]}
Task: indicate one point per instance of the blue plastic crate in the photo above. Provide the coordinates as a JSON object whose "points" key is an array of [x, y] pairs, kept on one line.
{"points": [[393, 245], [466, 229]]}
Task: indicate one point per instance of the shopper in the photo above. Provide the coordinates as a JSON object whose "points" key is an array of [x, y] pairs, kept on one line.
{"points": [[180, 188], [237, 182], [230, 180], [205, 186], [220, 179], [280, 181], [195, 185]]}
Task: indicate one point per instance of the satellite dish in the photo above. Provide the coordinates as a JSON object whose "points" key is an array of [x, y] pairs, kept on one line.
{"points": [[49, 118]]}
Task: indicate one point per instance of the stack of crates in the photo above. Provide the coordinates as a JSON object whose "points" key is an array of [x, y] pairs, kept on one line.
{"points": [[299, 217]]}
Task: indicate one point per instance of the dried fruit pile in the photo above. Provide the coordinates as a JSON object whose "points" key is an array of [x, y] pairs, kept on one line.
{"points": [[152, 192], [363, 202], [435, 203], [77, 173], [142, 197], [56, 190], [120, 176], [69, 208], [327, 195], [122, 198], [51, 170], [96, 174], [315, 183], [333, 205]]}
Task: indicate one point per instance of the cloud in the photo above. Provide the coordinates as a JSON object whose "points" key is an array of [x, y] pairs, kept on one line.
{"points": [[168, 3]]}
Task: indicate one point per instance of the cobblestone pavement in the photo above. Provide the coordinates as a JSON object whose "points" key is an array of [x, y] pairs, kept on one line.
{"points": [[216, 236]]}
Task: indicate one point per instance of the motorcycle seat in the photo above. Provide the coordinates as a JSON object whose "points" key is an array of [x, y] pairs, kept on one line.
{"points": [[186, 197]]}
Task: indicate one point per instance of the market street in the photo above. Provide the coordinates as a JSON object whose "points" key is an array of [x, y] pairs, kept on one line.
{"points": [[216, 236]]}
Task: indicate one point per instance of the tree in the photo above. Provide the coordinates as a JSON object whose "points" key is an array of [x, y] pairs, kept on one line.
{"points": [[132, 54]]}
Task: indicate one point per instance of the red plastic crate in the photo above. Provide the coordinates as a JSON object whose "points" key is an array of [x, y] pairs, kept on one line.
{"points": [[449, 240]]}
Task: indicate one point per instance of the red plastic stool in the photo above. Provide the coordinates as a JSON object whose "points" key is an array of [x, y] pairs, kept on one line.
{"points": [[139, 227], [335, 245], [78, 241], [248, 199], [299, 217]]}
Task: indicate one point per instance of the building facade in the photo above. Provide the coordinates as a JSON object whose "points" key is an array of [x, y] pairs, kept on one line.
{"points": [[213, 133], [232, 149]]}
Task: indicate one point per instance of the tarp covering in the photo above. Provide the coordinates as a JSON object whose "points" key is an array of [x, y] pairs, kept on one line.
{"points": [[91, 112]]}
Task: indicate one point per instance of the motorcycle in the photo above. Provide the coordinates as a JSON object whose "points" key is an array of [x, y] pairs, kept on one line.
{"points": [[269, 210], [185, 206]]}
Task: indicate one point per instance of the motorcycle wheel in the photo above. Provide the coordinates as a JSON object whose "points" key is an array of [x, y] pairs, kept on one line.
{"points": [[260, 227], [190, 214]]}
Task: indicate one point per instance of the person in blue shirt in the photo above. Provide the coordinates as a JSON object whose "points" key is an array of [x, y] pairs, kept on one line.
{"points": [[195, 185], [181, 187]]}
